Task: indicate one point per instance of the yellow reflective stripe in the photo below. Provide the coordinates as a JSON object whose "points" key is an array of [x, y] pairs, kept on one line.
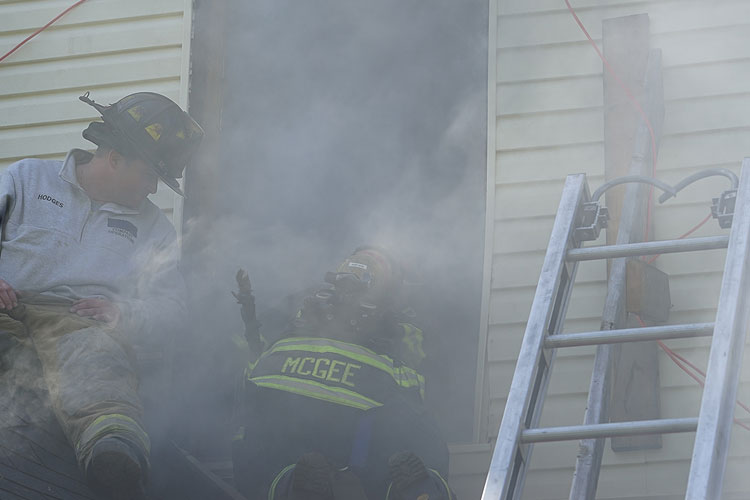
{"points": [[272, 489], [250, 367], [448, 490], [409, 378], [355, 352], [316, 390], [239, 435], [112, 423], [388, 492], [352, 351], [413, 338]]}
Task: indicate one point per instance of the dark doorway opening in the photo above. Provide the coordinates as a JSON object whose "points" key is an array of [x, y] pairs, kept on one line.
{"points": [[331, 125]]}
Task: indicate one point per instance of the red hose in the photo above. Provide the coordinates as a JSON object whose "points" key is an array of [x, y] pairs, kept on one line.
{"points": [[23, 42]]}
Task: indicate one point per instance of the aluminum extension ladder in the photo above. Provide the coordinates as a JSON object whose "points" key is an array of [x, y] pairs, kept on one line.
{"points": [[518, 430]]}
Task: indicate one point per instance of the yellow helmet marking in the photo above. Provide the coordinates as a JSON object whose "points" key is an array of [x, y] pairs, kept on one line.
{"points": [[136, 112], [154, 130]]}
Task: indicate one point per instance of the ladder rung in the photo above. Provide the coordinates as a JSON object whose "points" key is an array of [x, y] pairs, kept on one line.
{"points": [[647, 248], [612, 429], [629, 335]]}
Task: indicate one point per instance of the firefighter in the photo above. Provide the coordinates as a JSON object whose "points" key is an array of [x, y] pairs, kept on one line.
{"points": [[334, 410], [88, 268]]}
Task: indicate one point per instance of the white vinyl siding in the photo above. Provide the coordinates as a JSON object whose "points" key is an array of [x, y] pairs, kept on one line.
{"points": [[548, 102], [108, 47]]}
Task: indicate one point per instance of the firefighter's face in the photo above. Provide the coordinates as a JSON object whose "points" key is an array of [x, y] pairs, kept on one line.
{"points": [[133, 181]]}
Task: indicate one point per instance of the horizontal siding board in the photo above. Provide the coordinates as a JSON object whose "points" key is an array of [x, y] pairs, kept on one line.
{"points": [[36, 109], [722, 43], [578, 59], [682, 82], [704, 148], [711, 113], [708, 79], [512, 305], [707, 261], [586, 125], [516, 200], [55, 75], [549, 129], [522, 269], [666, 17], [549, 95], [105, 39], [22, 16], [42, 140], [547, 62], [521, 235]]}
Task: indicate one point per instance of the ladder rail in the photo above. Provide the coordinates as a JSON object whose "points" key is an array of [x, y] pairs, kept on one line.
{"points": [[523, 406], [722, 376]]}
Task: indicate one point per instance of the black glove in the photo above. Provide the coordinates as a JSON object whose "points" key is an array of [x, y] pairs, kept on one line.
{"points": [[246, 299]]}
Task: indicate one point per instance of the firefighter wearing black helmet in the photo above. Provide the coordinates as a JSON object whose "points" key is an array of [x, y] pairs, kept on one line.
{"points": [[334, 410], [88, 268]]}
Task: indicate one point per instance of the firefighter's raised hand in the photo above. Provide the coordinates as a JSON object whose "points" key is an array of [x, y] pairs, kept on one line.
{"points": [[8, 298], [244, 288], [244, 296], [97, 308]]}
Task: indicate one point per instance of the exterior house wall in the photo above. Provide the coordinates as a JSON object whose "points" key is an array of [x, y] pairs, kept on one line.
{"points": [[108, 47], [548, 122]]}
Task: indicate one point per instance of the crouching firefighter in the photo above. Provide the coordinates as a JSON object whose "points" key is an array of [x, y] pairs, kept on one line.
{"points": [[334, 410]]}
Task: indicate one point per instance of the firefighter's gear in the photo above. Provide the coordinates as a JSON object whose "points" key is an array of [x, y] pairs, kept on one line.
{"points": [[342, 385], [314, 478], [89, 374], [334, 371], [244, 295], [411, 480], [59, 243], [114, 469], [81, 250], [354, 406], [380, 275], [149, 126]]}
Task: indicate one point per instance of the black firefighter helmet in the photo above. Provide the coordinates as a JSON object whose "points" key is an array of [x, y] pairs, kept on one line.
{"points": [[148, 126]]}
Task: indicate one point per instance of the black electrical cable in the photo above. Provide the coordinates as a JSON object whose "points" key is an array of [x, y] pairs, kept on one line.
{"points": [[700, 175], [632, 178]]}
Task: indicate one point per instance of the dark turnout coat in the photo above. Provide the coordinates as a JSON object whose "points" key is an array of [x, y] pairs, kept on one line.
{"points": [[355, 406]]}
